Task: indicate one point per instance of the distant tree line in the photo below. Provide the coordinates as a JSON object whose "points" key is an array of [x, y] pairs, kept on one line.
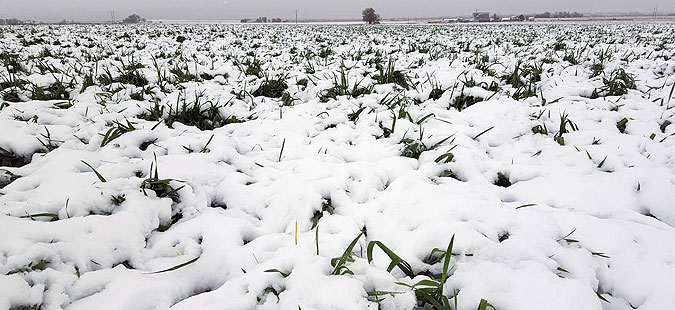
{"points": [[514, 18], [564, 14], [131, 19], [262, 19], [522, 17], [11, 21]]}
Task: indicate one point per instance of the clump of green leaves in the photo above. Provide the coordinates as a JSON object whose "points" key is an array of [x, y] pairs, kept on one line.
{"points": [[87, 81], [203, 115], [389, 74], [618, 84], [525, 91], [48, 143], [429, 293], [447, 173], [325, 52], [7, 178], [161, 187], [571, 58], [396, 261], [32, 266], [621, 125], [341, 88], [12, 62], [597, 69], [463, 101], [515, 79], [116, 131], [9, 159], [413, 148], [437, 91], [564, 123], [154, 113], [253, 67], [540, 129], [287, 100], [131, 75], [181, 73], [340, 263], [502, 180], [55, 91], [27, 307], [118, 199], [272, 87], [326, 206]]}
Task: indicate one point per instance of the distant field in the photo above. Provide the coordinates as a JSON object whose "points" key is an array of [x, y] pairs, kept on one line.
{"points": [[231, 166]]}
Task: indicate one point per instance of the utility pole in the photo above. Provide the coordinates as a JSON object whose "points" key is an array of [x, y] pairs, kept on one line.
{"points": [[296, 17], [112, 16]]}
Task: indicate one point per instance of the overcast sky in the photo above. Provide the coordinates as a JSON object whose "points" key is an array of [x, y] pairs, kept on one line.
{"points": [[99, 10]]}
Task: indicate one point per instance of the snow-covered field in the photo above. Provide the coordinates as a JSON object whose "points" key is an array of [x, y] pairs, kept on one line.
{"points": [[287, 167]]}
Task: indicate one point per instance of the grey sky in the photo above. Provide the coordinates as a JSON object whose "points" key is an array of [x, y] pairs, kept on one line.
{"points": [[95, 10]]}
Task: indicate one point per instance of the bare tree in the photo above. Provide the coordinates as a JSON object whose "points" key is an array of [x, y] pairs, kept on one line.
{"points": [[370, 16]]}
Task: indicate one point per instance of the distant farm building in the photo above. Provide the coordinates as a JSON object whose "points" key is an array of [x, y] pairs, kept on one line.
{"points": [[481, 16]]}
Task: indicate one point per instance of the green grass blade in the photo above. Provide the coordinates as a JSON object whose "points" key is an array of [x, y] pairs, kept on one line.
{"points": [[176, 267], [446, 263], [395, 259], [340, 264], [283, 274], [484, 132], [100, 177]]}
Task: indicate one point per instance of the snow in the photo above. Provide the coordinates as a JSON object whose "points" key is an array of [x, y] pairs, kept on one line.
{"points": [[584, 225]]}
